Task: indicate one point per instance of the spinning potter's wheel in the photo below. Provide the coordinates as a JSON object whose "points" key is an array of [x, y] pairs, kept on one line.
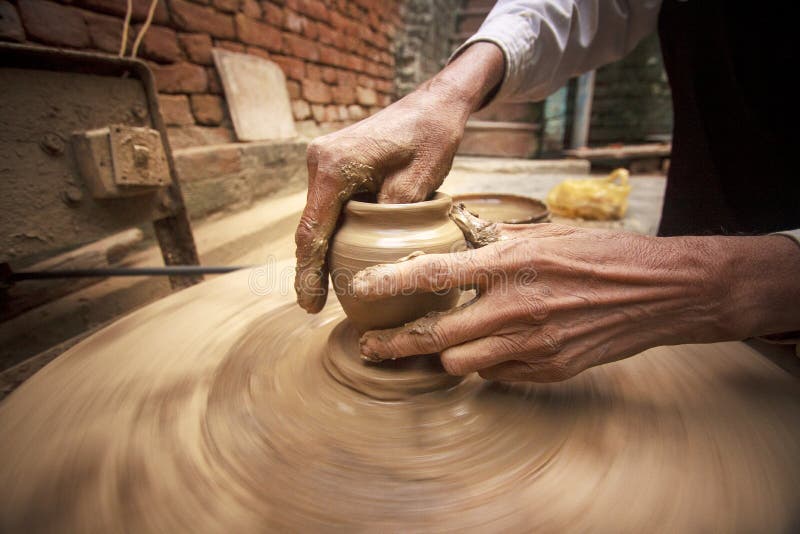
{"points": [[218, 409]]}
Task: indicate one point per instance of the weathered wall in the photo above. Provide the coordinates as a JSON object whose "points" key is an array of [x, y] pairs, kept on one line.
{"points": [[632, 98], [338, 55], [424, 43]]}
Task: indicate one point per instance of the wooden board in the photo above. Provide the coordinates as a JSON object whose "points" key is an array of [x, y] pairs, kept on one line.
{"points": [[255, 90]]}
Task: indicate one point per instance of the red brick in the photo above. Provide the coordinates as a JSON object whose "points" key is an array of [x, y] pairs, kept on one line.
{"points": [[10, 25], [292, 67], [188, 16], [208, 109], [272, 13], [54, 24], [318, 111], [344, 94], [331, 113], [312, 8], [311, 29], [251, 9], [329, 75], [366, 97], [356, 112], [347, 78], [366, 81], [116, 7], [313, 72], [343, 114], [353, 63], [105, 32], [380, 40], [260, 52], [338, 21], [228, 6], [354, 11], [257, 33], [330, 56], [175, 110], [327, 35], [233, 46], [294, 88], [180, 78], [371, 68], [350, 44], [161, 44], [292, 21], [317, 92], [301, 47], [386, 72], [197, 47], [384, 100], [384, 86], [214, 83], [301, 110]]}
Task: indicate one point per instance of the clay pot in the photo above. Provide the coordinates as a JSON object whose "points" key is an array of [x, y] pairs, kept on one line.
{"points": [[374, 233]]}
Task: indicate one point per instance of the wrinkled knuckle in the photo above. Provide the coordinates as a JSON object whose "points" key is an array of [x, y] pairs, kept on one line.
{"points": [[532, 307], [453, 364], [509, 345], [555, 369], [551, 342], [436, 272]]}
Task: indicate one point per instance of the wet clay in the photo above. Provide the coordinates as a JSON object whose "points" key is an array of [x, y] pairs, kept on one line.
{"points": [[373, 234], [218, 410], [477, 232], [504, 208]]}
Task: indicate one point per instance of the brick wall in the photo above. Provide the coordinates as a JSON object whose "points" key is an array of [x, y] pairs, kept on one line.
{"points": [[632, 99], [338, 55]]}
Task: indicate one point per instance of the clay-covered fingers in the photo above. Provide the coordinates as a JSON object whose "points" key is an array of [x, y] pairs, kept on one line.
{"points": [[433, 333], [432, 273], [323, 206], [493, 355]]}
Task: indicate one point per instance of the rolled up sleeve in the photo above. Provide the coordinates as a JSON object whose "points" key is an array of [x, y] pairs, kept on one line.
{"points": [[545, 42]]}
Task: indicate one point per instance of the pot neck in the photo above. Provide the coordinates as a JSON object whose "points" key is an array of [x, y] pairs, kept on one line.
{"points": [[414, 214]]}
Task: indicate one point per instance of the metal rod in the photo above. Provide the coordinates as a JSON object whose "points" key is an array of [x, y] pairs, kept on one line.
{"points": [[103, 272], [583, 110]]}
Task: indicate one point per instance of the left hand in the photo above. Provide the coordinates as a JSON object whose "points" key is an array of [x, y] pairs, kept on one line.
{"points": [[554, 300]]}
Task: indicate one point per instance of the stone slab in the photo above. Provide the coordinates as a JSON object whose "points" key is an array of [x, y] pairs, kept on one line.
{"points": [[258, 100]]}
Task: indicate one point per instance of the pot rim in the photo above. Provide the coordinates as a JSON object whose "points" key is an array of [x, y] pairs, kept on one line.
{"points": [[439, 201]]}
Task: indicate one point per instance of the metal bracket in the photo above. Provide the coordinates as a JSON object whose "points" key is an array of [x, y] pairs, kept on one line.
{"points": [[120, 160]]}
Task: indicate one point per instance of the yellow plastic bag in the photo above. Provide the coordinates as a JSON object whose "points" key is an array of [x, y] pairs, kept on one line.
{"points": [[599, 200]]}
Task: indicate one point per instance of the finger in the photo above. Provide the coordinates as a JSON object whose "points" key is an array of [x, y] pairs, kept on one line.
{"points": [[410, 183], [433, 333], [317, 223], [485, 352], [523, 371], [433, 272], [511, 371]]}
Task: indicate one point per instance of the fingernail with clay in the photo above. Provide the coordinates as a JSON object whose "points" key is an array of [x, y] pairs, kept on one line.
{"points": [[367, 353]]}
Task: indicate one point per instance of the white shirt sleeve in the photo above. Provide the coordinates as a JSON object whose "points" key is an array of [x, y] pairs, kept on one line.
{"points": [[546, 42]]}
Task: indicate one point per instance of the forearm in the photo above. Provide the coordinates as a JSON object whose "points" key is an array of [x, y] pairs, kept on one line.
{"points": [[467, 81], [762, 278]]}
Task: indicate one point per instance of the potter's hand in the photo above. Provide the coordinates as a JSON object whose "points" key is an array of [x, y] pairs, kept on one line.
{"points": [[401, 154], [555, 300]]}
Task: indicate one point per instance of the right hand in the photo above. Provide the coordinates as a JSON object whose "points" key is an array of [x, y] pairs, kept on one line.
{"points": [[402, 154]]}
